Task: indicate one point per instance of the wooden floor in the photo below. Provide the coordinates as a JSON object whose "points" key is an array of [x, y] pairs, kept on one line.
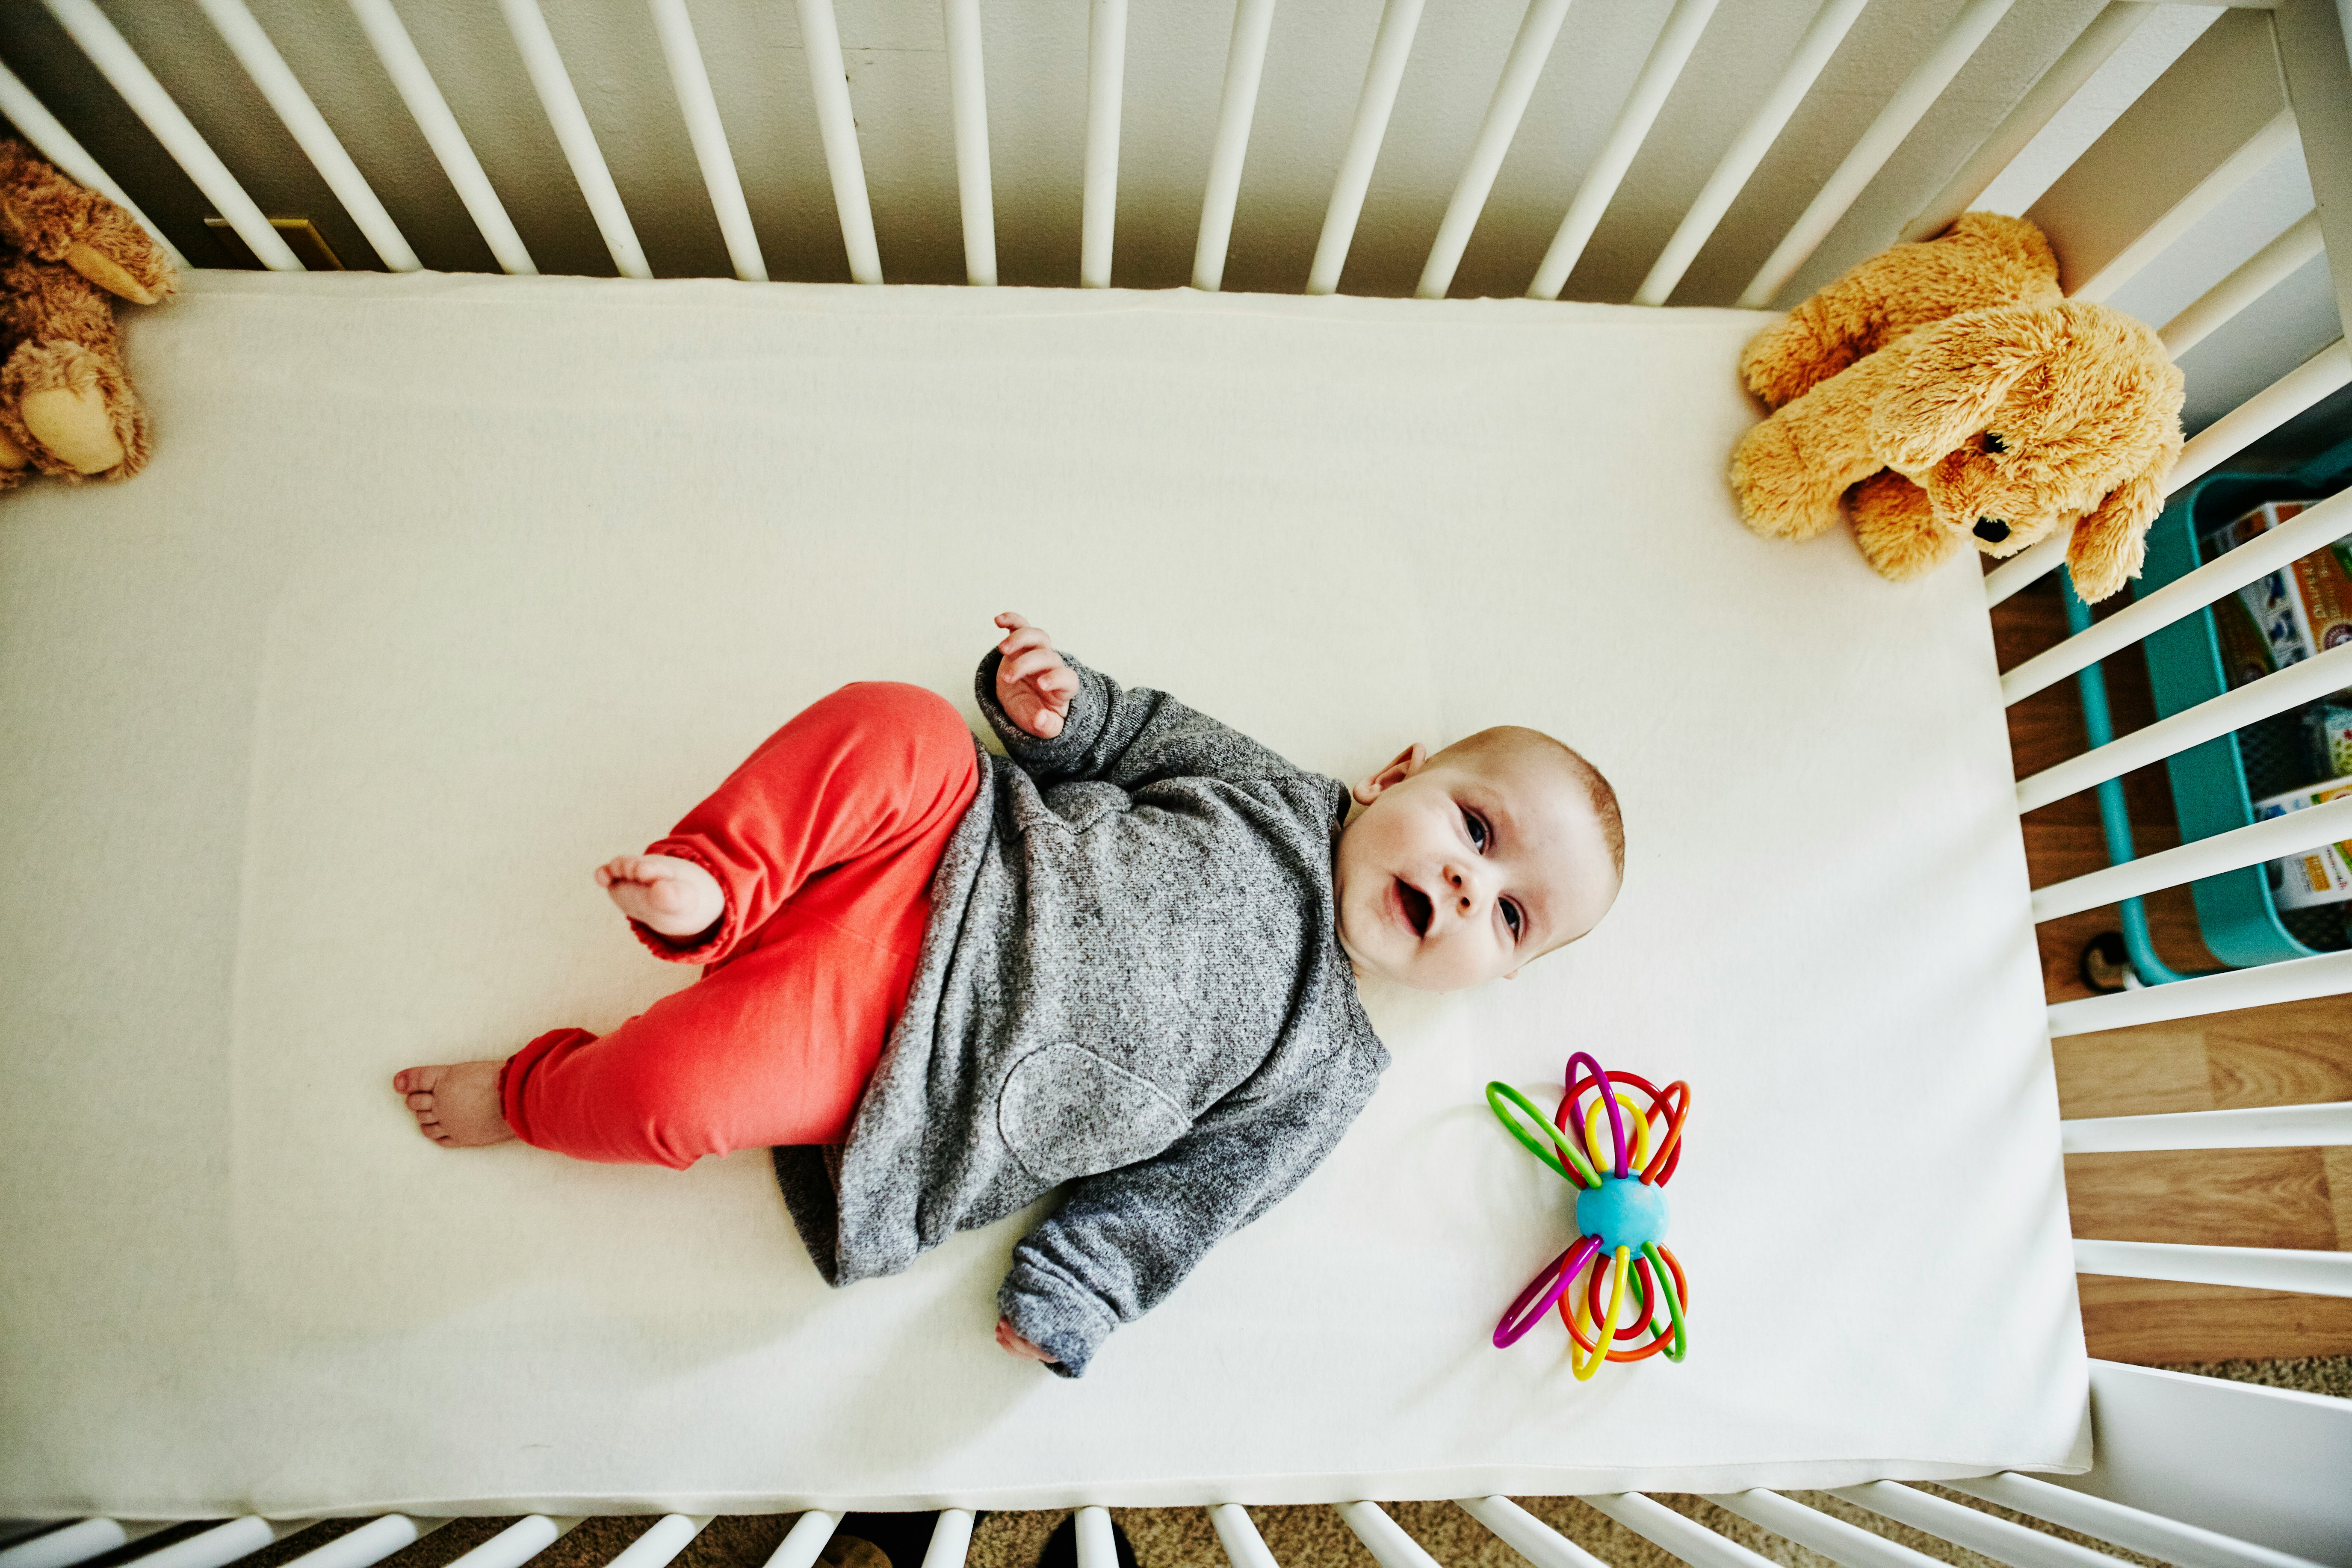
{"points": [[2296, 1053]]}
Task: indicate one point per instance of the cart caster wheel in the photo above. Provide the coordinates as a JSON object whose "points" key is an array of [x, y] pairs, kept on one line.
{"points": [[2107, 964]]}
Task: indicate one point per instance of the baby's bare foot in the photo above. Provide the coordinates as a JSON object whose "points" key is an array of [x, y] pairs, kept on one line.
{"points": [[457, 1105], [673, 897]]}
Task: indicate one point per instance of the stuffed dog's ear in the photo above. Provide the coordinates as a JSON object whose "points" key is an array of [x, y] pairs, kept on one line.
{"points": [[2111, 540], [1953, 376]]}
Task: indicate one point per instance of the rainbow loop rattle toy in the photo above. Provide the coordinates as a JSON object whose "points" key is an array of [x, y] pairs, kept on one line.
{"points": [[1620, 1215]]}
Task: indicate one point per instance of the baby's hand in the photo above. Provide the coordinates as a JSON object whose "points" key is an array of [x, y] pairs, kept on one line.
{"points": [[1013, 1343], [1033, 684]]}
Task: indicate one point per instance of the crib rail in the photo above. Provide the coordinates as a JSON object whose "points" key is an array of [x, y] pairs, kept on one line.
{"points": [[1927, 83], [1996, 1535]]}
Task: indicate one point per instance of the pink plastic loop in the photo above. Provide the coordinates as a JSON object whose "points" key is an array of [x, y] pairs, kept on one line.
{"points": [[1609, 1098], [1556, 1277]]}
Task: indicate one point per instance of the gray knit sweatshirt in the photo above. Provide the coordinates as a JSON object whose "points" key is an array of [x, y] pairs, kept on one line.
{"points": [[1131, 986]]}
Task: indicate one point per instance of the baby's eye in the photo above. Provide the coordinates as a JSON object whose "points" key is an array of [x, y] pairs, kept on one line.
{"points": [[1477, 826], [1511, 918]]}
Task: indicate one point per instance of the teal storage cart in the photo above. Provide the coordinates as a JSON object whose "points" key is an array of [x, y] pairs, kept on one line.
{"points": [[2214, 785]]}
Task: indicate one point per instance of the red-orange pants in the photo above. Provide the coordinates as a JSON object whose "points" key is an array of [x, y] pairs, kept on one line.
{"points": [[825, 842]]}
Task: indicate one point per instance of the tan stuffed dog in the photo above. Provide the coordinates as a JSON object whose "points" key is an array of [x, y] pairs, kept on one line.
{"points": [[1960, 397], [66, 402]]}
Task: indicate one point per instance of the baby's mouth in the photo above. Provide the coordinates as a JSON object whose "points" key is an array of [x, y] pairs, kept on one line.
{"points": [[1416, 906]]}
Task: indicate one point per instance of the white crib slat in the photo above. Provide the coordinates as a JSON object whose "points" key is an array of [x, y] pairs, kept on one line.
{"points": [[1538, 30], [2217, 579], [62, 1548], [2274, 839], [837, 125], [2250, 1127], [1245, 66], [269, 72], [2169, 1540], [2251, 420], [1827, 30], [2274, 693], [1668, 55], [570, 123], [370, 1543], [2024, 569], [2260, 415], [223, 1543], [54, 142], [968, 101], [1390, 48], [1904, 110], [1526, 1535], [695, 103], [397, 53], [1097, 1548], [2294, 980], [85, 1538], [670, 1535], [519, 1542], [129, 77], [2051, 92], [1686, 1539], [2261, 272], [2246, 1267], [806, 1538], [2271, 140], [950, 1539], [1245, 1547], [1833, 1538], [1383, 1537], [1106, 84], [1963, 1526]]}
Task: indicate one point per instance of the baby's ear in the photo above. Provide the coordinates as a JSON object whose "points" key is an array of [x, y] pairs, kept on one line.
{"points": [[1401, 767], [1953, 376]]}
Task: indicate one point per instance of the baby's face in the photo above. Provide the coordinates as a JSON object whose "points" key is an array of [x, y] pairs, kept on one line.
{"points": [[1460, 869]]}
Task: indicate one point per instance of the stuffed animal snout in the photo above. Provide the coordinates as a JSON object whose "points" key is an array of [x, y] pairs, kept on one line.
{"points": [[2022, 419]]}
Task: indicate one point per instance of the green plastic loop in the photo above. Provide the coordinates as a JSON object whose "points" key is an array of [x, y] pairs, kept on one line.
{"points": [[1499, 1092], [1665, 1279]]}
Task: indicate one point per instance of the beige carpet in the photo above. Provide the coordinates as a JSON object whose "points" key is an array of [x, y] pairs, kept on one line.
{"points": [[1299, 1537]]}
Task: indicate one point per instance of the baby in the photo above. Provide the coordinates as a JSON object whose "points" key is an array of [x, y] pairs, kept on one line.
{"points": [[1123, 956]]}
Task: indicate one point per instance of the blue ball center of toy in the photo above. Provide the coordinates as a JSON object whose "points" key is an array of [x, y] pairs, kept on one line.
{"points": [[1623, 1212]]}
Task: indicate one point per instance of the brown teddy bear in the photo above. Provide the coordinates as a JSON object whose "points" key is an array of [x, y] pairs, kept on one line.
{"points": [[1949, 393], [66, 404]]}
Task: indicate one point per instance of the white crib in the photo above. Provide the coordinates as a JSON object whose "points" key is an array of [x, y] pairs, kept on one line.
{"points": [[2195, 1472]]}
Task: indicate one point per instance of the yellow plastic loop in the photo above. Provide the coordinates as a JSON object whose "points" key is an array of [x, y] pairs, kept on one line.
{"points": [[1604, 1149], [1578, 1362]]}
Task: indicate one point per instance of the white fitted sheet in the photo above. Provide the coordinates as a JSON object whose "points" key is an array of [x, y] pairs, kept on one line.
{"points": [[440, 590]]}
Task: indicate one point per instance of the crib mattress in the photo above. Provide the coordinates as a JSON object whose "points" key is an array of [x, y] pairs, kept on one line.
{"points": [[441, 590]]}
